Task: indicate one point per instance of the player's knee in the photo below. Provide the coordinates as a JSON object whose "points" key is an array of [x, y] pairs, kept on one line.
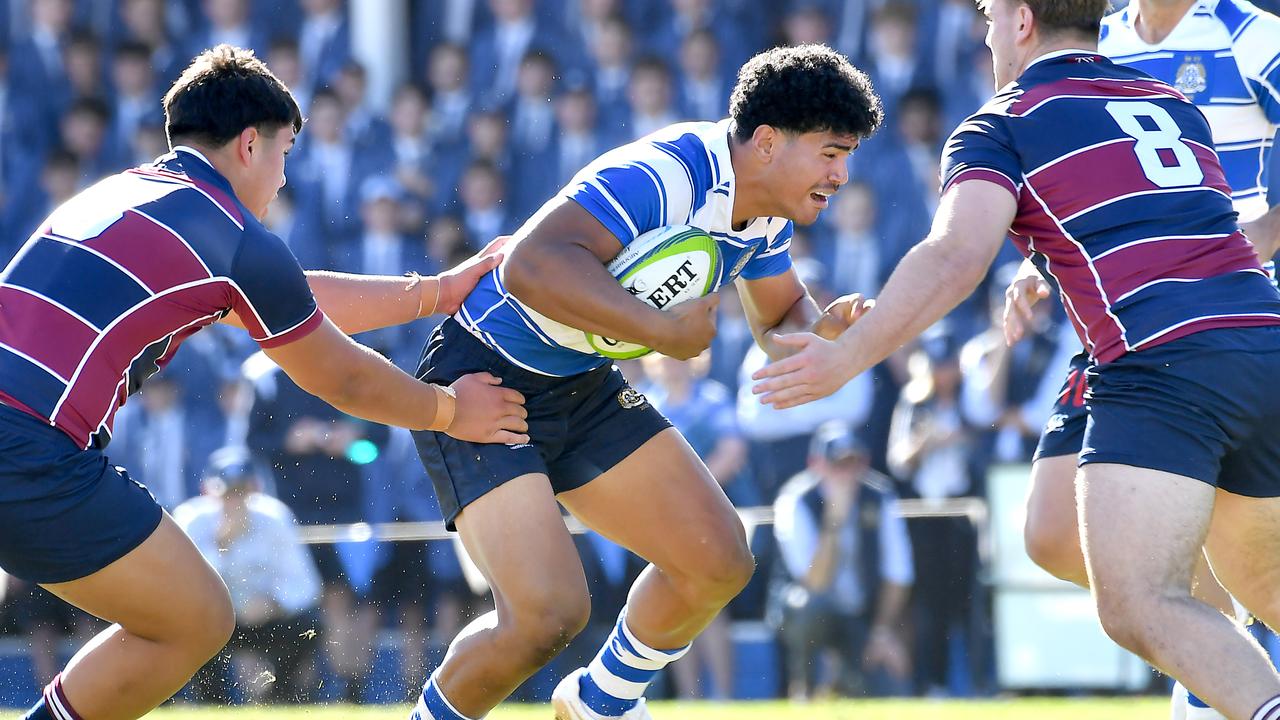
{"points": [[216, 625], [1053, 548], [1127, 617], [720, 570], [544, 626]]}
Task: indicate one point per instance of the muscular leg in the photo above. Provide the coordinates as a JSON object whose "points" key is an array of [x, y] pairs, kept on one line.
{"points": [[172, 614], [517, 538], [663, 504], [1052, 531], [1244, 549], [1142, 531]]}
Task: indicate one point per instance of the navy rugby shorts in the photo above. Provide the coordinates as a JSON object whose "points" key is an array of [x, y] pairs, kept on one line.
{"points": [[1205, 406], [579, 426], [1063, 432], [65, 512]]}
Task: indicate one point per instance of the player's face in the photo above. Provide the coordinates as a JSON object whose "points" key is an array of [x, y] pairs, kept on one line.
{"points": [[267, 169], [812, 166], [1001, 33]]}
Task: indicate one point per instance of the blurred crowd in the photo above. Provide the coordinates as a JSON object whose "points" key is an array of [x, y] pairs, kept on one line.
{"points": [[505, 100]]}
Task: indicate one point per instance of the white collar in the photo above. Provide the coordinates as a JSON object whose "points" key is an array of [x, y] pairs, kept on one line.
{"points": [[193, 151], [1058, 54]]}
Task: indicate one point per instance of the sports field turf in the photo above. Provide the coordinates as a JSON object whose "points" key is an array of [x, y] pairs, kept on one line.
{"points": [[1032, 709]]}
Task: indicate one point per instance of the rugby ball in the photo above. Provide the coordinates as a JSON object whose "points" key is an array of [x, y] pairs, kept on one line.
{"points": [[662, 267]]}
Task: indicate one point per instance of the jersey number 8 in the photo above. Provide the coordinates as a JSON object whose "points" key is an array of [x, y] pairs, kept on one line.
{"points": [[1166, 136]]}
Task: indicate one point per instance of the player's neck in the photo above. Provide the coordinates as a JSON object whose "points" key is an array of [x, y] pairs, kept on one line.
{"points": [[751, 190], [1157, 18], [1053, 45]]}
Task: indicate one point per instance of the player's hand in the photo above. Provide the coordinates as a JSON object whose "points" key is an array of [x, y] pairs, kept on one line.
{"points": [[817, 369], [487, 413], [1019, 298], [885, 649], [457, 283], [689, 328], [842, 313]]}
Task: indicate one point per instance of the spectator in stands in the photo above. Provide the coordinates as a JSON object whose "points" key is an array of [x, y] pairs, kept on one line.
{"points": [[285, 62], [930, 442], [584, 21], [484, 213], [780, 438], [960, 33], [251, 540], [451, 100], [893, 60], [807, 24], [324, 42], [407, 156], [309, 444], [651, 96], [851, 252], [326, 173], [149, 143], [446, 239], [382, 248], [59, 179], [147, 22], [611, 58], [704, 413], [846, 572], [1008, 391], [228, 22], [84, 134], [703, 87], [152, 439], [82, 58], [497, 51], [578, 138], [136, 102], [38, 66], [532, 116], [364, 126]]}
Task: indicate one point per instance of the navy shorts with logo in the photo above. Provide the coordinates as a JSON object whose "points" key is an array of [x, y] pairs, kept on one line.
{"points": [[65, 512], [1205, 406], [1063, 432], [579, 426]]}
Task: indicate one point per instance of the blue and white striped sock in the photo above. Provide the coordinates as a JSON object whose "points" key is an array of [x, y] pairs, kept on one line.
{"points": [[433, 705], [616, 679]]}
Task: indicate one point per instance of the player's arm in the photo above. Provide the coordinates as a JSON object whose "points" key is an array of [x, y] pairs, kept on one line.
{"points": [[972, 221], [358, 303], [558, 269], [775, 305], [362, 383]]}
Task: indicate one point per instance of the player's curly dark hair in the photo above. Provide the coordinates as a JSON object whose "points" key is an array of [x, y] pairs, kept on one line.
{"points": [[223, 91], [802, 89]]}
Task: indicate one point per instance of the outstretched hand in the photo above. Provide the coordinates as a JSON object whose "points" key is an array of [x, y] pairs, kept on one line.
{"points": [[457, 282], [1019, 299], [817, 369]]}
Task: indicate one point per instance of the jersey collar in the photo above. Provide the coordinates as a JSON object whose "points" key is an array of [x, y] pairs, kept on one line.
{"points": [[1059, 54]]}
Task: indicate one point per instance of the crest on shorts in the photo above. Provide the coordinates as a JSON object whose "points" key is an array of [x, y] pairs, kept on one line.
{"points": [[1056, 422], [1192, 77], [631, 398]]}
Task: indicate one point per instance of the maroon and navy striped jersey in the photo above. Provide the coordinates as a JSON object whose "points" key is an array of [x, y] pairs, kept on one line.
{"points": [[1121, 202], [101, 295]]}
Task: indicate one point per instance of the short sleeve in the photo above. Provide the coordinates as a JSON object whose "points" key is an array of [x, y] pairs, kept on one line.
{"points": [[981, 149], [641, 186], [1257, 52], [774, 258], [272, 296]]}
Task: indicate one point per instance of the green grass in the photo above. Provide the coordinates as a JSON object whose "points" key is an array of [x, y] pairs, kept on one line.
{"points": [[1037, 709]]}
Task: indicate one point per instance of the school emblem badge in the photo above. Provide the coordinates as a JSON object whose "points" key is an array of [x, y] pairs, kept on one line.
{"points": [[1192, 77], [630, 398]]}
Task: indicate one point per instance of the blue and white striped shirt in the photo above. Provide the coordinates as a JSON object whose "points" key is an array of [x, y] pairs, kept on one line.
{"points": [[680, 175], [1224, 56]]}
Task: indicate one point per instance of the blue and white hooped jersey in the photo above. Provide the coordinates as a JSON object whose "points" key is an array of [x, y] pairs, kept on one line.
{"points": [[1224, 56], [680, 175]]}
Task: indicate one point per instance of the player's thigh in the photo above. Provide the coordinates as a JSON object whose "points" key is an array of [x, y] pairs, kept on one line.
{"points": [[517, 538], [1244, 550], [1052, 525], [662, 503], [1142, 529], [161, 590]]}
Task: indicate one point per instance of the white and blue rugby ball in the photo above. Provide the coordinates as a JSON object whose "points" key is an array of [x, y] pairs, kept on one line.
{"points": [[662, 267]]}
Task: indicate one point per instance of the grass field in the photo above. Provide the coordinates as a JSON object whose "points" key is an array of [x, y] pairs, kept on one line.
{"points": [[1037, 709]]}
